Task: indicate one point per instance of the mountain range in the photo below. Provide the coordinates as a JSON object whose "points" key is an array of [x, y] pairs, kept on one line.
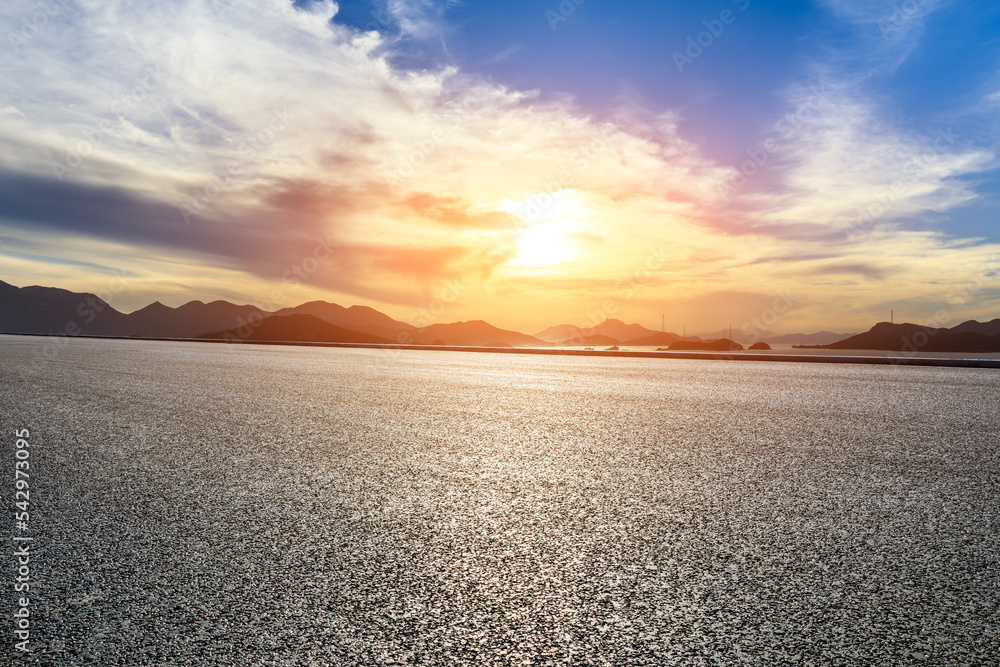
{"points": [[296, 328], [49, 310], [968, 336]]}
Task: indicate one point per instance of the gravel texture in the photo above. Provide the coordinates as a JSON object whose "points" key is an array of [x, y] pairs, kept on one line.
{"points": [[249, 505]]}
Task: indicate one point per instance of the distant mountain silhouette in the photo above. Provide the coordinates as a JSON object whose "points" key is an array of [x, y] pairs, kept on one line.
{"points": [[621, 331], [189, 320], [720, 345], [658, 338], [561, 332], [818, 338], [612, 328], [293, 328], [738, 335], [915, 338], [48, 310], [475, 332], [355, 318], [991, 328], [596, 339]]}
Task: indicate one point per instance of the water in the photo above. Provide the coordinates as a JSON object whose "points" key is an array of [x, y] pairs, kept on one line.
{"points": [[208, 504]]}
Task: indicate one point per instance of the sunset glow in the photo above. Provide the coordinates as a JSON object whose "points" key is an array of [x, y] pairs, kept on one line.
{"points": [[306, 150], [500, 332]]}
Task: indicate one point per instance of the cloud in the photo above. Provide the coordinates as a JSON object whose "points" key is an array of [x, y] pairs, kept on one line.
{"points": [[244, 132], [453, 211], [846, 169], [223, 142], [890, 29]]}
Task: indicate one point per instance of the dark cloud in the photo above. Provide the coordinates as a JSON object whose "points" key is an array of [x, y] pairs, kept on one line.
{"points": [[113, 214]]}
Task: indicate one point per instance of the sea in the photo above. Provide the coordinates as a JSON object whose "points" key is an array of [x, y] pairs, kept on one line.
{"points": [[211, 504]]}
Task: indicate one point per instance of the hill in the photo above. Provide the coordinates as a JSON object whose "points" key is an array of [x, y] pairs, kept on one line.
{"points": [[49, 310], [355, 318], [916, 338], [818, 338], [561, 332], [611, 328], [187, 321], [293, 328], [621, 331], [659, 338], [591, 340], [720, 345], [991, 328], [475, 333]]}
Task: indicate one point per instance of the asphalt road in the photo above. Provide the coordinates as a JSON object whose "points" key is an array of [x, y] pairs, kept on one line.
{"points": [[259, 505]]}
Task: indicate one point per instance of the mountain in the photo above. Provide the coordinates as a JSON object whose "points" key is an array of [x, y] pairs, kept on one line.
{"points": [[475, 332], [818, 338], [591, 340], [48, 310], [991, 328], [561, 332], [355, 318], [915, 338], [720, 345], [293, 328], [739, 335], [610, 327], [189, 320], [659, 338], [621, 331]]}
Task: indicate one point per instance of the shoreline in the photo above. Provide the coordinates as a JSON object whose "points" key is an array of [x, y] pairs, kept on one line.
{"points": [[643, 354]]}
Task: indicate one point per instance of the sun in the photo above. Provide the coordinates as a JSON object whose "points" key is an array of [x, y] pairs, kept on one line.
{"points": [[543, 244], [549, 222]]}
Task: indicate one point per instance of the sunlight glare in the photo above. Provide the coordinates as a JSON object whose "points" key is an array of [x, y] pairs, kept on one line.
{"points": [[548, 221]]}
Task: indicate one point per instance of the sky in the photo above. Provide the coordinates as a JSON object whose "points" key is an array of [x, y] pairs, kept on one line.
{"points": [[797, 166]]}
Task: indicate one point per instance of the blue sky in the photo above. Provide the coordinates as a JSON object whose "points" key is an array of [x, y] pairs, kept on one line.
{"points": [[557, 161], [605, 53]]}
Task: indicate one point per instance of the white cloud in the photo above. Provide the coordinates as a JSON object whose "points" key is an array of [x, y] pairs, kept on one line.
{"points": [[890, 28], [265, 112], [289, 127], [845, 168]]}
